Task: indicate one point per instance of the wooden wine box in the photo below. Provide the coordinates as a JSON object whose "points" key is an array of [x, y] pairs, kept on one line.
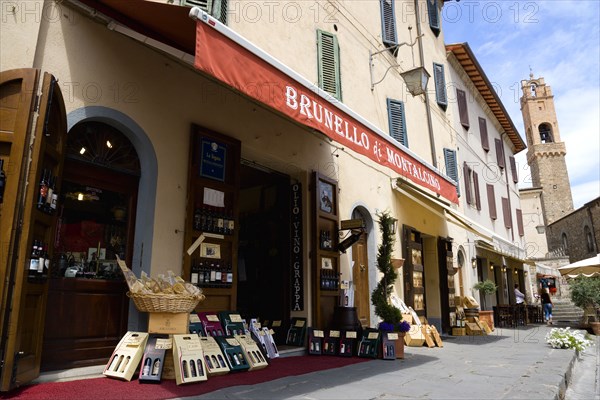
{"points": [[168, 323], [414, 337]]}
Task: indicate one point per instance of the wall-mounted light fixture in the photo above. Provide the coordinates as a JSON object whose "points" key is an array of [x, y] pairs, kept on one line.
{"points": [[416, 78], [540, 229], [474, 262], [393, 225], [491, 266]]}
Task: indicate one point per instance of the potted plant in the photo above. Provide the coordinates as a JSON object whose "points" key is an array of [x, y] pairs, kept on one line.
{"points": [[389, 314], [585, 294], [485, 288]]}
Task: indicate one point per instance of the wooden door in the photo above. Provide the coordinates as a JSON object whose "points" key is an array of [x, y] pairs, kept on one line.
{"points": [[360, 278], [414, 272], [32, 138], [446, 274]]}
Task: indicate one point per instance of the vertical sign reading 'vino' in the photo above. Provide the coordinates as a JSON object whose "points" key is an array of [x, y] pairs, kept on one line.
{"points": [[297, 249]]}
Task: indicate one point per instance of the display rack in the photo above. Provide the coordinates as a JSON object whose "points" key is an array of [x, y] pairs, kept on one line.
{"points": [[211, 227]]}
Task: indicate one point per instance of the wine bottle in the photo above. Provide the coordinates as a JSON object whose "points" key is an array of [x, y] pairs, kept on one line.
{"points": [[34, 261], [2, 180], [146, 369], [54, 199], [156, 367], [194, 274], [197, 219], [43, 191], [49, 193], [220, 223], [41, 259]]}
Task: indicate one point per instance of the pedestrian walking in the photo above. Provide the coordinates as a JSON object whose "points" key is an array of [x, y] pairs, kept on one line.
{"points": [[547, 304]]}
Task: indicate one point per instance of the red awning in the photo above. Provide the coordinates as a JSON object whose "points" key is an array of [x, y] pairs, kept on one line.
{"points": [[223, 54], [226, 56]]}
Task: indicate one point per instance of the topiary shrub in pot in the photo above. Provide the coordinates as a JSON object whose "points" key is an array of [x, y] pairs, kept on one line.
{"points": [[486, 287]]}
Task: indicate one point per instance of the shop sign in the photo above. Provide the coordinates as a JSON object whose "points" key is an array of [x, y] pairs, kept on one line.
{"points": [[262, 78], [297, 249], [212, 159]]}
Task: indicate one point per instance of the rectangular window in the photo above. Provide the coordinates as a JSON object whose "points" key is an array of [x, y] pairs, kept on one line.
{"points": [[520, 222], [485, 144], [463, 112], [506, 212], [440, 85], [467, 176], [388, 24], [397, 121], [434, 16], [451, 166], [500, 153], [513, 169], [491, 201], [476, 188], [329, 63], [216, 8]]}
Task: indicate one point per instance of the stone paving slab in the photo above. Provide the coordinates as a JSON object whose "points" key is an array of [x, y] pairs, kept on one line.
{"points": [[508, 364]]}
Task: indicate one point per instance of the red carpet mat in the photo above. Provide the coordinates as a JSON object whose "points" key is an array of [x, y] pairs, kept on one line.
{"points": [[109, 388]]}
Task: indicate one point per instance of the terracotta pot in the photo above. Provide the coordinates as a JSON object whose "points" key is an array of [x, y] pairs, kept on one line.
{"points": [[595, 328], [399, 344]]}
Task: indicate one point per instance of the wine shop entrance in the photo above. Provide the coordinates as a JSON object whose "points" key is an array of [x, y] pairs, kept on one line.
{"points": [[264, 248]]}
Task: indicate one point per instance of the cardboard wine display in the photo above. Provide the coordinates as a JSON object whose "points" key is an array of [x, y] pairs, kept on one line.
{"points": [[195, 325], [272, 351], [388, 345], [232, 350], [232, 323], [369, 343], [315, 341], [127, 355], [153, 360], [331, 343], [211, 324], [213, 356], [348, 344], [189, 359], [297, 332], [252, 351]]}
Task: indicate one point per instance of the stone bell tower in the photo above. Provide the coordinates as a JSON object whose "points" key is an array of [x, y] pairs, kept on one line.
{"points": [[545, 153]]}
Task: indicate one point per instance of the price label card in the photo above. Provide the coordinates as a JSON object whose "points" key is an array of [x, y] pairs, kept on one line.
{"points": [[334, 333], [373, 335], [318, 333], [256, 325], [350, 335], [392, 336], [232, 342], [212, 318], [194, 318], [271, 332], [194, 346], [163, 344], [276, 324], [236, 318], [300, 323]]}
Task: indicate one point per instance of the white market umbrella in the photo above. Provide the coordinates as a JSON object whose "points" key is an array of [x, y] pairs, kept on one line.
{"points": [[588, 267]]}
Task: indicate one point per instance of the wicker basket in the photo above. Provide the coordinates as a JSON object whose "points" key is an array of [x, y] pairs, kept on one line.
{"points": [[161, 302]]}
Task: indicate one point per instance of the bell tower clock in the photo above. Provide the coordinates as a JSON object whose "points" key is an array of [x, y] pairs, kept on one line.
{"points": [[546, 153]]}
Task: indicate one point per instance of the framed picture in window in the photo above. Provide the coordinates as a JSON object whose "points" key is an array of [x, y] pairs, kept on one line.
{"points": [[326, 199]]}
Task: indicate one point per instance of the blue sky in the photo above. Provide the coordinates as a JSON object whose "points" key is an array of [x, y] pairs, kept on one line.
{"points": [[560, 41]]}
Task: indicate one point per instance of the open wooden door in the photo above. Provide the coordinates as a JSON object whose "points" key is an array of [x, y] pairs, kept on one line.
{"points": [[33, 131]]}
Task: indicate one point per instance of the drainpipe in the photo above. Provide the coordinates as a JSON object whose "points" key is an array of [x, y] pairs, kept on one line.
{"points": [[428, 111]]}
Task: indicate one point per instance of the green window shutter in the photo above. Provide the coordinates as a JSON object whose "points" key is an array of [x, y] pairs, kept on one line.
{"points": [[329, 64], [451, 166], [388, 23], [397, 121], [434, 16], [440, 85]]}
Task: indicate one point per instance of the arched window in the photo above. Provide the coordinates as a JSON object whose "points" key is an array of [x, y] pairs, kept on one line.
{"points": [[533, 87], [589, 239], [546, 133]]}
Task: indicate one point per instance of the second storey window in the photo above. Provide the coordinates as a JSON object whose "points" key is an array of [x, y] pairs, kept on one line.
{"points": [[491, 201], [440, 85], [500, 153], [388, 24], [463, 112], [216, 8], [329, 64], [397, 121]]}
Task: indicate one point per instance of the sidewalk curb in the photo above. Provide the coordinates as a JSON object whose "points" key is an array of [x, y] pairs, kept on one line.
{"points": [[564, 383]]}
